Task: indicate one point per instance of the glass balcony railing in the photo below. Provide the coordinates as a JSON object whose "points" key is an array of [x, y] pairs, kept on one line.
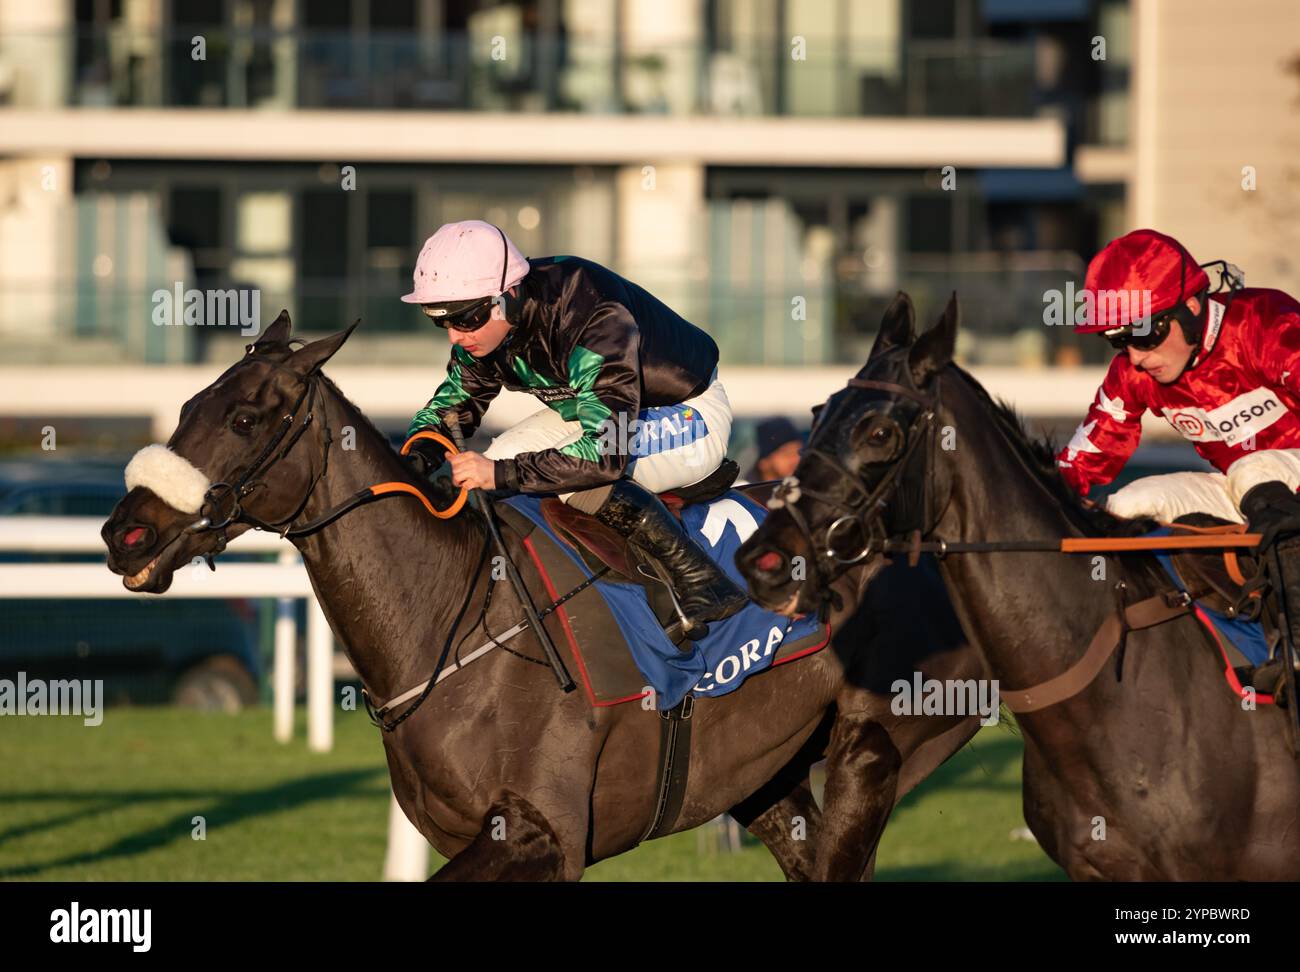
{"points": [[255, 68], [91, 320]]}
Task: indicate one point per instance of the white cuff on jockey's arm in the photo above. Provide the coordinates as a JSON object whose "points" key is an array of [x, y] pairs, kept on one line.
{"points": [[1265, 466], [1171, 495]]}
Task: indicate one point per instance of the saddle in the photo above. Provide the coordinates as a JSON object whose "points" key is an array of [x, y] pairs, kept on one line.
{"points": [[600, 546], [1228, 581]]}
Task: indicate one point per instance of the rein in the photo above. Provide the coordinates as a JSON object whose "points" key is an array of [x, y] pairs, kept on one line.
{"points": [[1073, 545], [238, 491]]}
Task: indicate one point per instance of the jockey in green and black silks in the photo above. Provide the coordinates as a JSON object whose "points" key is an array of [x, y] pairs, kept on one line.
{"points": [[634, 404]]}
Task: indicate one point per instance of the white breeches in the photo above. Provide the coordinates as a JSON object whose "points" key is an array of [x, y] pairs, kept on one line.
{"points": [[1170, 496], [670, 446]]}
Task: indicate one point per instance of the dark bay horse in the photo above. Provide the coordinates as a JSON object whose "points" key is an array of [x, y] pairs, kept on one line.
{"points": [[503, 773], [1153, 771]]}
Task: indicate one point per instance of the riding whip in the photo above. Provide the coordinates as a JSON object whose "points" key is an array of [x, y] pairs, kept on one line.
{"points": [[484, 505]]}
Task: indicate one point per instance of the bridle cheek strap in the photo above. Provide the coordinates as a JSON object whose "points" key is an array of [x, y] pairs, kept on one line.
{"points": [[865, 507]]}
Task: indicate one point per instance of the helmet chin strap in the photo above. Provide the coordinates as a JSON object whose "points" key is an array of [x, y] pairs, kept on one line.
{"points": [[1193, 328], [510, 305]]}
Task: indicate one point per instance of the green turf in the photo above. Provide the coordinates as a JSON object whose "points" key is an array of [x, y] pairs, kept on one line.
{"points": [[117, 803]]}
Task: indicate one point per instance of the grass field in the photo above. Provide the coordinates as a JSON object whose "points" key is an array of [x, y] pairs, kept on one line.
{"points": [[118, 804]]}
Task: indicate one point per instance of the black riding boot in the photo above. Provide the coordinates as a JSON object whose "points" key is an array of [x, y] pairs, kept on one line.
{"points": [[1271, 676], [702, 591]]}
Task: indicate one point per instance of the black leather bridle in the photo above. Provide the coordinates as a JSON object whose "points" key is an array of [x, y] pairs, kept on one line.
{"points": [[235, 493], [223, 502], [864, 509]]}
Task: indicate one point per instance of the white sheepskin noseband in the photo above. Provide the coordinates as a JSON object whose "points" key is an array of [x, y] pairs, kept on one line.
{"points": [[174, 479]]}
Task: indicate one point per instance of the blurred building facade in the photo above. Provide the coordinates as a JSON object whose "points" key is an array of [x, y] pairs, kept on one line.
{"points": [[775, 170]]}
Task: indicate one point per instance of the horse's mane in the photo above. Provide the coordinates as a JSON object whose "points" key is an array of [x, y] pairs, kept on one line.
{"points": [[361, 416], [280, 350], [1039, 456]]}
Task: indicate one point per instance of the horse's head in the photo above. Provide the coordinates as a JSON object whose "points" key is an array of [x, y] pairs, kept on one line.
{"points": [[863, 476], [249, 443]]}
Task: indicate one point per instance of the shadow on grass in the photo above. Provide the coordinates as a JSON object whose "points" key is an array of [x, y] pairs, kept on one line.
{"points": [[219, 812]]}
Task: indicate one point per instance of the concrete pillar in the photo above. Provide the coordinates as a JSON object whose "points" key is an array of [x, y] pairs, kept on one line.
{"points": [[35, 44], [1145, 114], [662, 228], [37, 255], [663, 56]]}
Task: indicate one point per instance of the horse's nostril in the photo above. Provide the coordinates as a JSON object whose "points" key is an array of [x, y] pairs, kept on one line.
{"points": [[135, 536], [768, 562]]}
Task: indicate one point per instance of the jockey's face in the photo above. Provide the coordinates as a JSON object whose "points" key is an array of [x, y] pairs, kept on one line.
{"points": [[1165, 363], [487, 338]]}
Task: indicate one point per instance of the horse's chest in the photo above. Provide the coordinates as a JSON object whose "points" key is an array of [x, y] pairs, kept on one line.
{"points": [[446, 822]]}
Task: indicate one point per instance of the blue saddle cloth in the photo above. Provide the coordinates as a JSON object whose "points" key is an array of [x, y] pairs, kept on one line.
{"points": [[1246, 636], [734, 649]]}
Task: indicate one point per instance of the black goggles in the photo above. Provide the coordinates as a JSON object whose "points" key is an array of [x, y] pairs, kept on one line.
{"points": [[1149, 339], [461, 315]]}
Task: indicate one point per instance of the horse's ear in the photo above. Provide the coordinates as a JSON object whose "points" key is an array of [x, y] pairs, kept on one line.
{"points": [[933, 350], [279, 332], [897, 327], [311, 356]]}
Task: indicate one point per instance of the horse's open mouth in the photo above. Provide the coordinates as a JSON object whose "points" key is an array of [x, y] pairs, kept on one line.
{"points": [[791, 606], [141, 576], [769, 600], [155, 577]]}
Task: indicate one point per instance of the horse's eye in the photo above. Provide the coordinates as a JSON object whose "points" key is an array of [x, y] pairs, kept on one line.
{"points": [[879, 438], [243, 424]]}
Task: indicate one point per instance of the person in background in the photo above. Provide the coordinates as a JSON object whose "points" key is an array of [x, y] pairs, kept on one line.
{"points": [[779, 445]]}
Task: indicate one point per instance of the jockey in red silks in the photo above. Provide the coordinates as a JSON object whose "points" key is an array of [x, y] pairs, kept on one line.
{"points": [[1222, 368]]}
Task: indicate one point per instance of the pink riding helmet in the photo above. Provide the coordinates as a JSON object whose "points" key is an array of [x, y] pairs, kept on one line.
{"points": [[465, 260]]}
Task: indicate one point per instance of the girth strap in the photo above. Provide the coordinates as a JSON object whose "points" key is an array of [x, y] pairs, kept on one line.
{"points": [[1142, 614], [674, 767]]}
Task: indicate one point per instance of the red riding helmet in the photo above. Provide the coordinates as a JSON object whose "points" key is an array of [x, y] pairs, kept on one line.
{"points": [[1139, 262]]}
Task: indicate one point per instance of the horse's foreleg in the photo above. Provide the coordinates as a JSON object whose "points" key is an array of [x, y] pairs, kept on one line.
{"points": [[862, 772], [783, 813], [787, 828], [515, 844]]}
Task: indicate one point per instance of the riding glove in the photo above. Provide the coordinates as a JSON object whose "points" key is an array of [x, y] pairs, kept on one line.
{"points": [[1272, 510], [425, 456]]}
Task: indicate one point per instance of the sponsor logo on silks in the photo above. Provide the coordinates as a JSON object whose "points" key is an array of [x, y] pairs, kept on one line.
{"points": [[661, 429], [1212, 326], [747, 656], [548, 394], [1234, 422]]}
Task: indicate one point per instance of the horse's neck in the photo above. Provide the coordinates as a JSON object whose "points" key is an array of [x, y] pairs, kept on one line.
{"points": [[1031, 615], [386, 574]]}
